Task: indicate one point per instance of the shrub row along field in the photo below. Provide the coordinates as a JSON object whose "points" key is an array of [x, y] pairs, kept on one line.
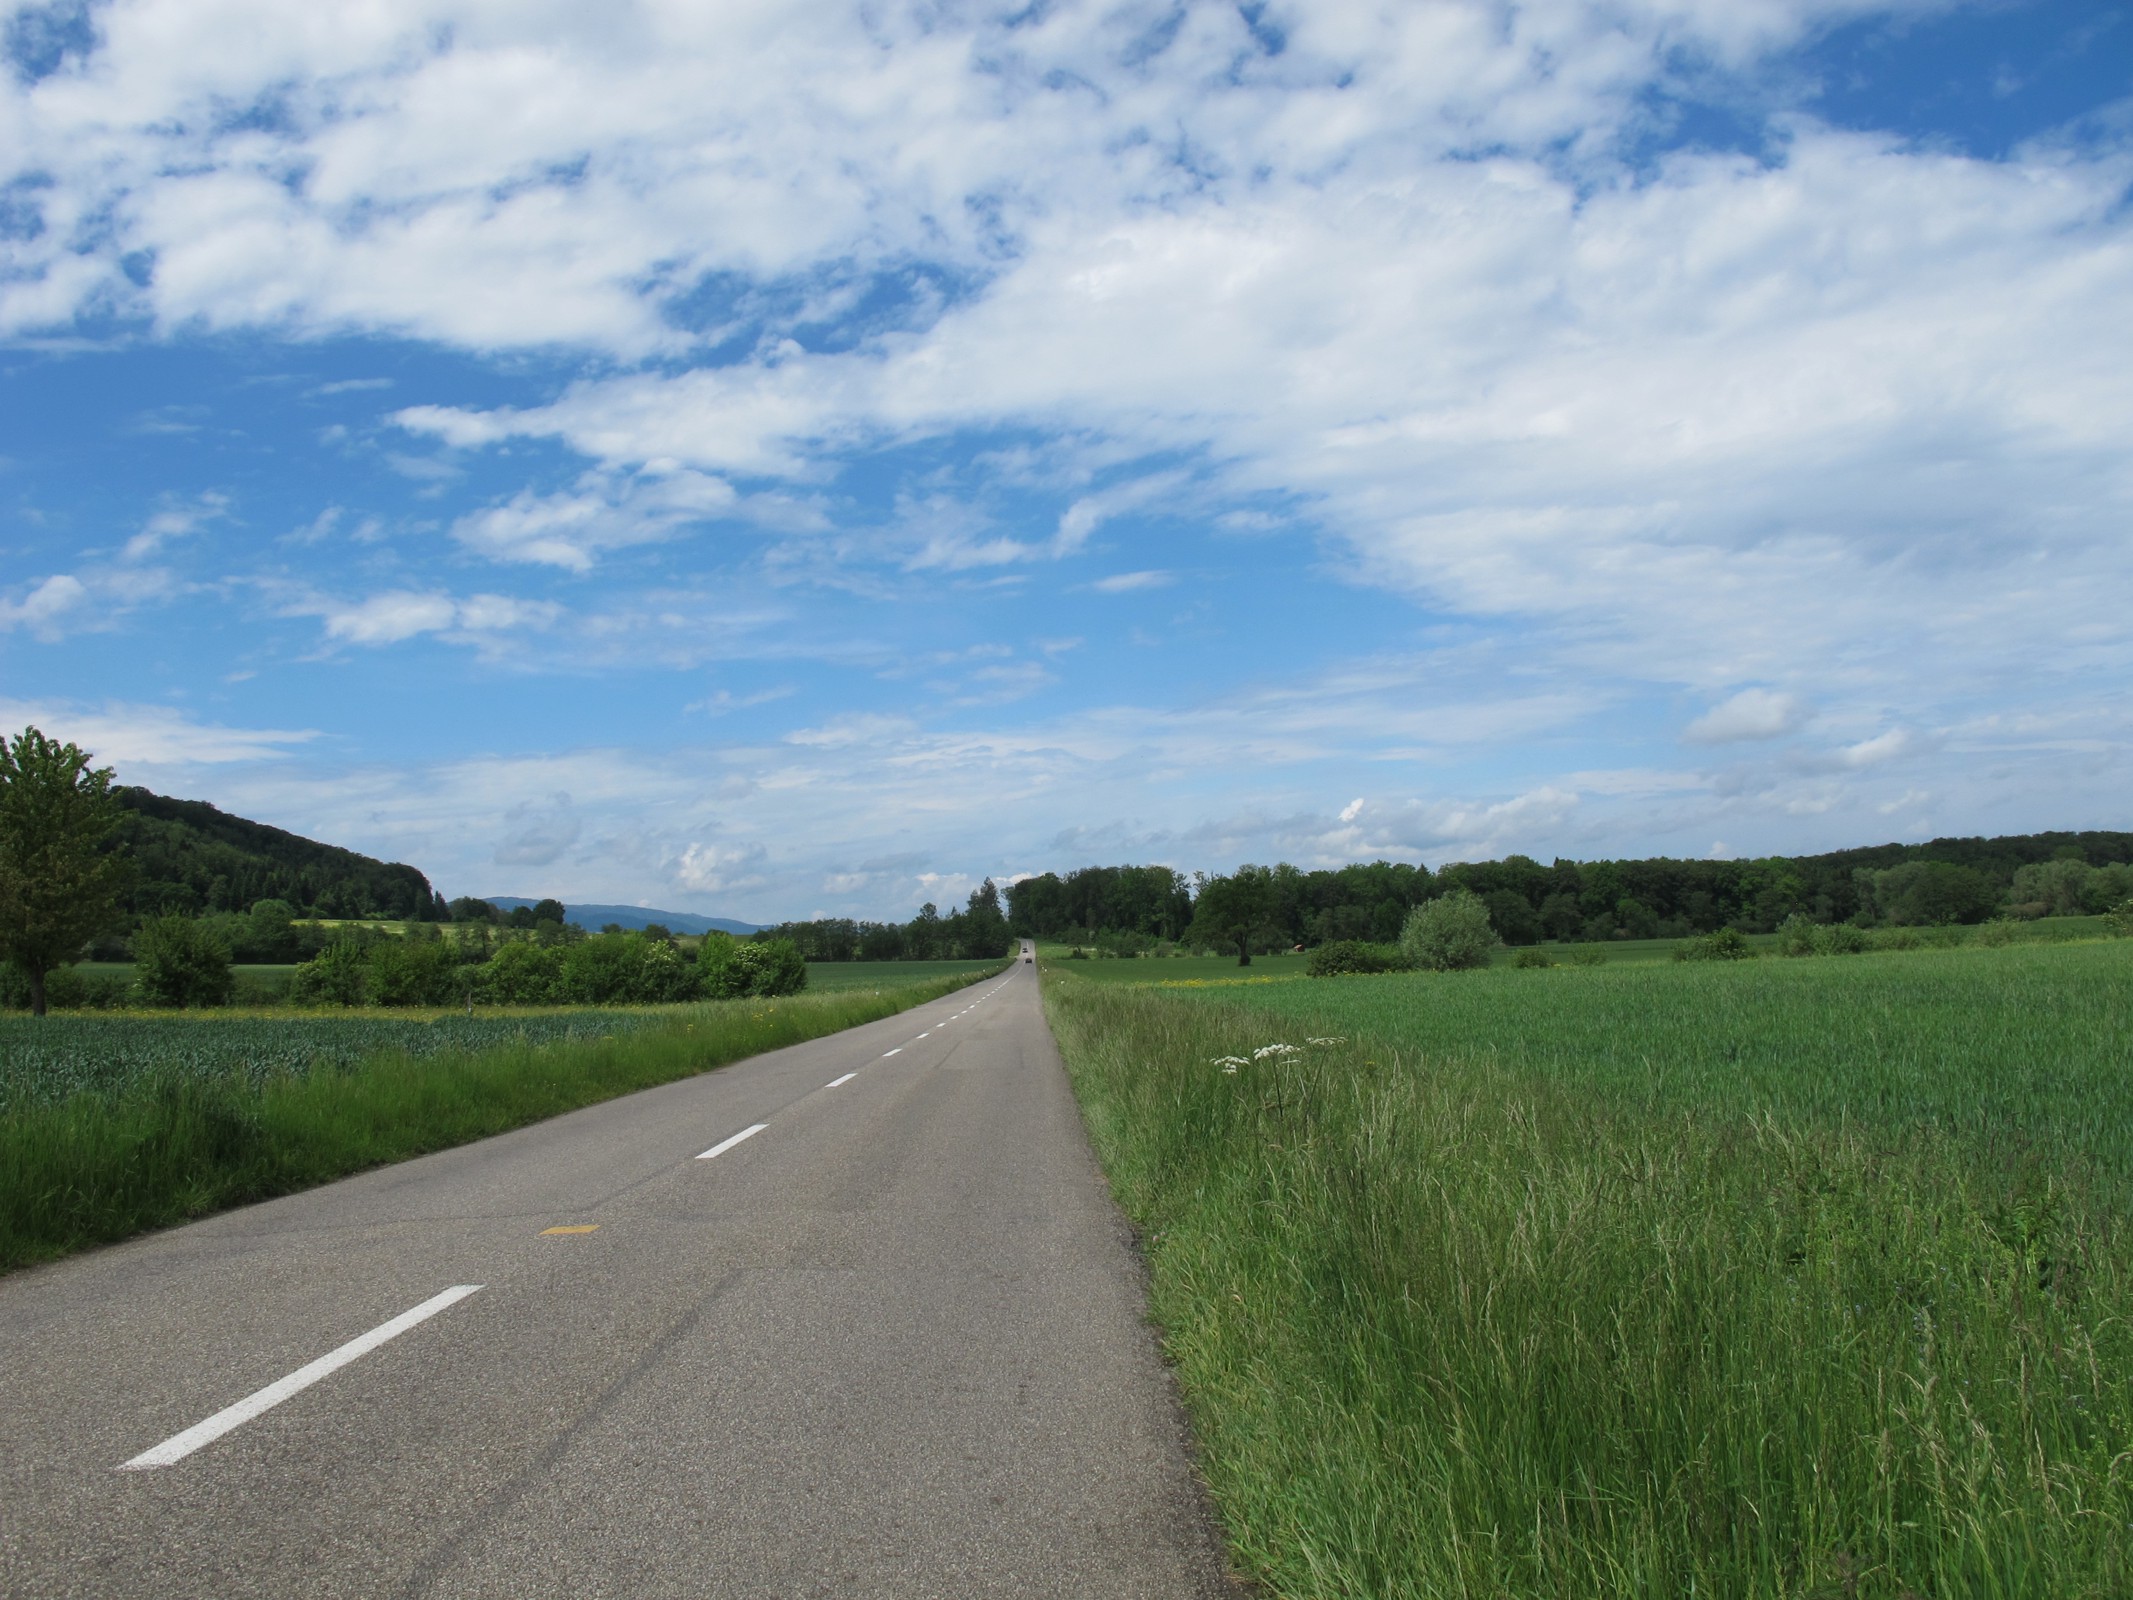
{"points": [[176, 1117], [1749, 1279]]}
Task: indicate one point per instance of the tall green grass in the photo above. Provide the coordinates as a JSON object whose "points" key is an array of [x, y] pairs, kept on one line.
{"points": [[1773, 1279], [199, 1131]]}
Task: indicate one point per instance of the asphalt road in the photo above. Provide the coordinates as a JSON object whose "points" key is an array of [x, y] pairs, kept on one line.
{"points": [[889, 1345]]}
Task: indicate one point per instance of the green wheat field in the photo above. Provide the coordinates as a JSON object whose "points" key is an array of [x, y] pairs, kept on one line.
{"points": [[1766, 1278]]}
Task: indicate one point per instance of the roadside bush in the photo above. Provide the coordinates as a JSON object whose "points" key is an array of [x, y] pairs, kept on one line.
{"points": [[1841, 939], [1449, 934], [414, 972], [1800, 935], [179, 962], [664, 976], [734, 970], [1343, 957], [1726, 944], [522, 973], [612, 968], [1532, 956], [1589, 955], [1999, 931], [2119, 919], [337, 976], [774, 967], [598, 969]]}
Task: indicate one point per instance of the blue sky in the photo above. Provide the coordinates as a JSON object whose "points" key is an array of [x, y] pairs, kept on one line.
{"points": [[784, 460]]}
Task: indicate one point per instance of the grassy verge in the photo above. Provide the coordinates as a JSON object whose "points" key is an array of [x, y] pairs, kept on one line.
{"points": [[1788, 1279], [175, 1142]]}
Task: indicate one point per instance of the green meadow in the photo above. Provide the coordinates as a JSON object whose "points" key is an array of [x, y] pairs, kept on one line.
{"points": [[1762, 1278]]}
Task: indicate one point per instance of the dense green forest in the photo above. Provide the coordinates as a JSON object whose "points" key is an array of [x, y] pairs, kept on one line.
{"points": [[1944, 881], [189, 857]]}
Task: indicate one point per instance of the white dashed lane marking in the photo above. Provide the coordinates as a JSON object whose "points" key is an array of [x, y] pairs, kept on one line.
{"points": [[724, 1145], [180, 1445]]}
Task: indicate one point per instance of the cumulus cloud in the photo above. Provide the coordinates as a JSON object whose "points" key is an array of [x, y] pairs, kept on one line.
{"points": [[1889, 746], [716, 869], [1750, 714], [46, 606], [94, 597], [396, 615]]}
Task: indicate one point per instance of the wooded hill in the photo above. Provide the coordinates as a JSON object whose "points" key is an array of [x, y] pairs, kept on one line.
{"points": [[190, 857]]}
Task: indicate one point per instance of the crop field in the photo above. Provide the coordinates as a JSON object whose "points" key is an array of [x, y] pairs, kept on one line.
{"points": [[831, 977], [1767, 1278], [111, 1123], [44, 1061]]}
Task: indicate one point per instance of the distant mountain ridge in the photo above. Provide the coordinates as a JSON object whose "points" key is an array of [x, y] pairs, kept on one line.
{"points": [[595, 918]]}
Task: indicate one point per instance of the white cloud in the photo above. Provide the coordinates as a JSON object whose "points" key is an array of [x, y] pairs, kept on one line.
{"points": [[48, 603], [711, 869], [1127, 582], [397, 615], [538, 834], [158, 738], [1750, 714], [391, 617], [603, 513], [1881, 748], [174, 522], [94, 598]]}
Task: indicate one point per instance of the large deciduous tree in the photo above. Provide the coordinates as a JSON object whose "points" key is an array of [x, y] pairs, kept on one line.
{"points": [[1236, 910], [59, 887]]}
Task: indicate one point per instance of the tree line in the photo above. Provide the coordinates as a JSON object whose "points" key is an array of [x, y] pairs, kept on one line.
{"points": [[1125, 910], [978, 932]]}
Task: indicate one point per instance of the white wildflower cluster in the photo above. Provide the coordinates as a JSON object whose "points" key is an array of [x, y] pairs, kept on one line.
{"points": [[1275, 1050], [1335, 1040], [1228, 1063]]}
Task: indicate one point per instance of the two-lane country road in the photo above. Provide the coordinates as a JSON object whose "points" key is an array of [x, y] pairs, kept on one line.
{"points": [[856, 1318]]}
